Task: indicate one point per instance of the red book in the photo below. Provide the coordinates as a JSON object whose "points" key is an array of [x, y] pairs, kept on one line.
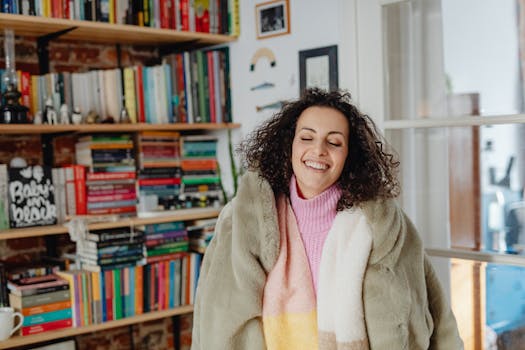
{"points": [[112, 197], [47, 326], [107, 211], [76, 189], [79, 173], [181, 108], [139, 93], [139, 290], [25, 85], [211, 85], [155, 182], [165, 7], [161, 285], [110, 176], [185, 14], [108, 285]]}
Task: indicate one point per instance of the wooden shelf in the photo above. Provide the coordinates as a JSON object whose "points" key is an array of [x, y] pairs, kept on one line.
{"points": [[106, 33], [105, 128], [175, 215], [69, 332]]}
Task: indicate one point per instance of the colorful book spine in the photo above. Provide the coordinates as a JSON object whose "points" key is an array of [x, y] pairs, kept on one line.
{"points": [[48, 326], [47, 317]]}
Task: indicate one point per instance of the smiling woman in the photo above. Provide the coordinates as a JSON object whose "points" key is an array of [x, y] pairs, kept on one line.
{"points": [[313, 252], [319, 149]]}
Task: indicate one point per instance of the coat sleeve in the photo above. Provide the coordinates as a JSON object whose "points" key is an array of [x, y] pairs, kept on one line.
{"points": [[445, 334], [228, 305]]}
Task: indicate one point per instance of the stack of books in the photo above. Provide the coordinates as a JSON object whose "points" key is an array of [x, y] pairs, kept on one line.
{"points": [[171, 273], [165, 241], [201, 185], [200, 233], [110, 178], [43, 300], [159, 174], [110, 249]]}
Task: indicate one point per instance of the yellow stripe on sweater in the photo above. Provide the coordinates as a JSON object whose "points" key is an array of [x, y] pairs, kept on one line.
{"points": [[291, 331]]}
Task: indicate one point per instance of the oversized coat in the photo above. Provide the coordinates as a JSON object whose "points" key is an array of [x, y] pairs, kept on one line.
{"points": [[403, 302]]}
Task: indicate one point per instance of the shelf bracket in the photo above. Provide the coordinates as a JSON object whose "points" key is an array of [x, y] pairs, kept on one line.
{"points": [[42, 45]]}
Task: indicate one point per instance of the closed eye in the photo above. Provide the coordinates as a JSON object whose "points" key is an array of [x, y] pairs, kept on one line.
{"points": [[306, 139]]}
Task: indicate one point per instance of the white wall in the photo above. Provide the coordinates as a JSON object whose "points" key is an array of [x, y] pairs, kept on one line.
{"points": [[313, 24]]}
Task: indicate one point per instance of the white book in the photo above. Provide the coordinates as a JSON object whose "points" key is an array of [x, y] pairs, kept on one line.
{"points": [[187, 87], [217, 86]]}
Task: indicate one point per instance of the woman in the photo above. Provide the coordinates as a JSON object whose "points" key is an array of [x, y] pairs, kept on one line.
{"points": [[313, 252]]}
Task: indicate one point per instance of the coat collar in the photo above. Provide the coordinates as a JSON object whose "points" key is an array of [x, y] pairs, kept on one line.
{"points": [[256, 201]]}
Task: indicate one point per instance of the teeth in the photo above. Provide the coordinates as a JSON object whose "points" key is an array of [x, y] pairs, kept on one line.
{"points": [[315, 165]]}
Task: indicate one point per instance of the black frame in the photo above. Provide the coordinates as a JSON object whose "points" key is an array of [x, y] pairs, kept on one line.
{"points": [[331, 52]]}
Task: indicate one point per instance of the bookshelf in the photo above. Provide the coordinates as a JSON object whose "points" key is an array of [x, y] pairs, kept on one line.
{"points": [[115, 221], [105, 33], [24, 129], [69, 332]]}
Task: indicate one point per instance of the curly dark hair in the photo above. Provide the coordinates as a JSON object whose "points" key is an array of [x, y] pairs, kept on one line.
{"points": [[369, 172]]}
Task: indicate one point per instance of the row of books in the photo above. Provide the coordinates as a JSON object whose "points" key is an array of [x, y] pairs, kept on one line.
{"points": [[188, 87], [162, 274], [172, 172], [207, 16], [78, 298]]}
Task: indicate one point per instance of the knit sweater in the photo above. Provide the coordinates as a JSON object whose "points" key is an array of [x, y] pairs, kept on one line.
{"points": [[314, 219]]}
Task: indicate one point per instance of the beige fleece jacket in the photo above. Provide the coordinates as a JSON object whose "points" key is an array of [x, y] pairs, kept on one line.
{"points": [[403, 301]]}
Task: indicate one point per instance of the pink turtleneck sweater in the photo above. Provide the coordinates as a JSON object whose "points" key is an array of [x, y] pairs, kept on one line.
{"points": [[314, 219]]}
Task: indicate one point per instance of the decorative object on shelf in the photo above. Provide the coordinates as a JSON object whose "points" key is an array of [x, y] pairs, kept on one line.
{"points": [[76, 117], [50, 115], [265, 85], [272, 18], [318, 68], [64, 114], [12, 112], [37, 118], [260, 53], [274, 105], [124, 116], [31, 197], [92, 117]]}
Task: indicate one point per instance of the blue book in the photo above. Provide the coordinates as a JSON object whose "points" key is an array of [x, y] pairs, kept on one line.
{"points": [[47, 317], [171, 294]]}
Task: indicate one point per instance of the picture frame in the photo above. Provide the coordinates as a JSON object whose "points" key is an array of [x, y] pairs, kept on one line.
{"points": [[318, 68], [272, 18]]}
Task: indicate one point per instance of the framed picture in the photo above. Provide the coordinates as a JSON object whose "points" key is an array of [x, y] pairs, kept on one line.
{"points": [[273, 18], [318, 68]]}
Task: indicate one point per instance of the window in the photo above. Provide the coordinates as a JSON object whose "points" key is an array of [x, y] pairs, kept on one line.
{"points": [[453, 103]]}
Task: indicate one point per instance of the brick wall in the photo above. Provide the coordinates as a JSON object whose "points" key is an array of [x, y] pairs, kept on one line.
{"points": [[77, 57]]}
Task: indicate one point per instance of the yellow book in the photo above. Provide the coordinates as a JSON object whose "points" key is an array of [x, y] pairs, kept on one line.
{"points": [[130, 98], [112, 12], [97, 302], [35, 101]]}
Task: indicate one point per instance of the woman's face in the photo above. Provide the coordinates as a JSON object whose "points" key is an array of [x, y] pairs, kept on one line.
{"points": [[319, 149]]}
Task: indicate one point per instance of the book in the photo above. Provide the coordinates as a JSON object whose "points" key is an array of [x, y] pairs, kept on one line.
{"points": [[31, 197], [38, 299], [50, 316], [47, 326], [39, 309], [4, 207]]}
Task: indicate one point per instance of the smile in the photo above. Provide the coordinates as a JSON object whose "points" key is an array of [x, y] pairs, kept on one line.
{"points": [[316, 165]]}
